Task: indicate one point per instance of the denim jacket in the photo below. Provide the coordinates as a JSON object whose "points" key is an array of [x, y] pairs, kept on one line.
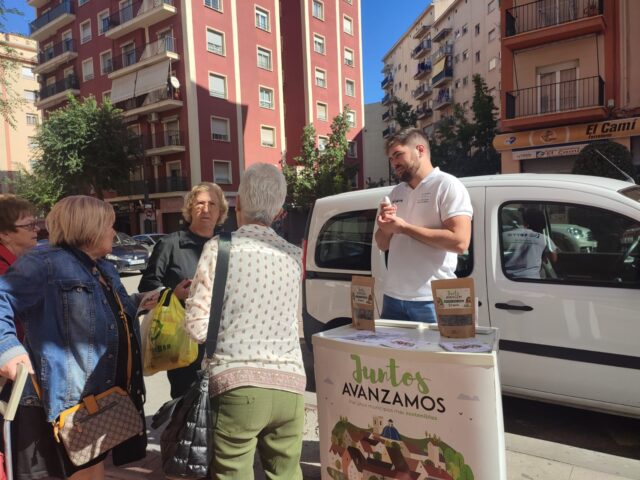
{"points": [[71, 334]]}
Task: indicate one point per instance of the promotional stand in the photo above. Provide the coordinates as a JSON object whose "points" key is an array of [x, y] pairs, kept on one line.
{"points": [[395, 404]]}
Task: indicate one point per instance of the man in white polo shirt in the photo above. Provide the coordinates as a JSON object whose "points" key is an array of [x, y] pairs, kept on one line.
{"points": [[425, 227]]}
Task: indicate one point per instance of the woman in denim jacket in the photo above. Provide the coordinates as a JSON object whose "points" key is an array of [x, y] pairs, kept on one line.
{"points": [[75, 341]]}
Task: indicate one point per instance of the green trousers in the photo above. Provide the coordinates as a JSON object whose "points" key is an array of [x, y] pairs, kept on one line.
{"points": [[247, 418]]}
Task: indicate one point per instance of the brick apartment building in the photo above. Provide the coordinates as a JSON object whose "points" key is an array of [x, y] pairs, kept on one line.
{"points": [[209, 86], [569, 78]]}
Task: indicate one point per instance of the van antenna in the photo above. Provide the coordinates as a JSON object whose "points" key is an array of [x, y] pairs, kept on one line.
{"points": [[624, 174]]}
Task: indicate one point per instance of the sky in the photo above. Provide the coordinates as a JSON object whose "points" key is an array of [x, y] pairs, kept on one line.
{"points": [[383, 23]]}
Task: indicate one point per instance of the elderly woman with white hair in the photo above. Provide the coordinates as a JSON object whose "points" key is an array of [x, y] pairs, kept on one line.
{"points": [[256, 374]]}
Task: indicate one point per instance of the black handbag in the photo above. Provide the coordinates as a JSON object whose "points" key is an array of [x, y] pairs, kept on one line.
{"points": [[185, 447]]}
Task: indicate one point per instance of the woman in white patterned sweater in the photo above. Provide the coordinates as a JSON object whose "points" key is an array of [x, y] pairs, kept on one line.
{"points": [[257, 377]]}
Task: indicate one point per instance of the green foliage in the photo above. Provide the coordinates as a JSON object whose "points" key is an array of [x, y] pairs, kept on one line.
{"points": [[404, 115], [465, 148], [590, 162], [319, 173], [466, 473], [83, 148], [40, 190], [10, 99]]}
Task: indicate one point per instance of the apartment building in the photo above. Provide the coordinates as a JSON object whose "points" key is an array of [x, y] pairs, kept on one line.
{"points": [[208, 86], [569, 78], [16, 141], [431, 66]]}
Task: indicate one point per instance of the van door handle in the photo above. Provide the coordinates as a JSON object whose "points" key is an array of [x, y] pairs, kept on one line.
{"points": [[508, 306]]}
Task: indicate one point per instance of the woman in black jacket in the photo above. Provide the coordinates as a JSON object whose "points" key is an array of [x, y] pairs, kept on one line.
{"points": [[174, 260]]}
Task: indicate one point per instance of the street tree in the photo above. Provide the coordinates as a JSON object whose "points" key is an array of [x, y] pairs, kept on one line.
{"points": [[10, 99], [320, 170], [403, 113], [82, 148], [590, 160], [484, 159], [452, 142]]}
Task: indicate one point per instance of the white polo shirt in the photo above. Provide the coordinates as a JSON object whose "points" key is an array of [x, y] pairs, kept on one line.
{"points": [[412, 265]]}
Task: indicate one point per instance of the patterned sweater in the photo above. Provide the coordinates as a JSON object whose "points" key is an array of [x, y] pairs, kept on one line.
{"points": [[258, 342]]}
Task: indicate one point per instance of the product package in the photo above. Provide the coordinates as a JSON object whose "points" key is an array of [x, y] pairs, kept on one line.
{"points": [[454, 300], [362, 303]]}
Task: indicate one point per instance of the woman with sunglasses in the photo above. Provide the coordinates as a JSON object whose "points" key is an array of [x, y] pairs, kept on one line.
{"points": [[18, 229]]}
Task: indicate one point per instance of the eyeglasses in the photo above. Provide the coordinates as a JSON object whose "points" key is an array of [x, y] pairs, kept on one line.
{"points": [[29, 226]]}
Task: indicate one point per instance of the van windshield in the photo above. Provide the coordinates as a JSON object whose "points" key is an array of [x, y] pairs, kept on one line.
{"points": [[632, 192]]}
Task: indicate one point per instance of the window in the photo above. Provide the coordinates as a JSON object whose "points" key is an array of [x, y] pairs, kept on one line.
{"points": [[491, 6], [215, 42], [222, 171], [456, 84], [321, 78], [266, 97], [492, 34], [465, 29], [465, 81], [351, 118], [217, 86], [318, 43], [129, 54], [352, 150], [318, 9], [126, 11], [87, 69], [32, 119], [85, 31], [215, 4], [82, 2], [557, 88], [477, 56], [456, 58], [106, 63], [264, 58], [347, 25], [220, 129], [348, 57], [344, 242], [103, 22], [321, 111], [563, 243], [267, 136], [465, 55], [492, 63], [32, 143], [350, 88], [322, 143], [27, 72], [262, 19], [477, 29], [106, 96]]}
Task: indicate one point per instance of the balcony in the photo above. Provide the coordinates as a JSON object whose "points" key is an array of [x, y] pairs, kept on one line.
{"points": [[145, 56], [424, 67], [421, 31], [156, 101], [55, 56], [387, 132], [424, 112], [561, 102], [442, 78], [421, 49], [47, 24], [386, 116], [163, 143], [545, 21], [387, 82], [386, 99], [441, 35], [37, 3], [423, 91], [443, 51], [138, 14], [443, 99], [57, 92], [155, 185]]}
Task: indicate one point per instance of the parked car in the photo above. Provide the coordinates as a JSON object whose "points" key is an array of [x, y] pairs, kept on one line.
{"points": [[127, 255], [149, 240], [570, 336]]}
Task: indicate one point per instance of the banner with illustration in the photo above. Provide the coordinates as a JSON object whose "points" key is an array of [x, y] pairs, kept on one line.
{"points": [[387, 413]]}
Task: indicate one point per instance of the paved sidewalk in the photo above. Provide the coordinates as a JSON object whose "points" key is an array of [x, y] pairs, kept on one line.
{"points": [[527, 458]]}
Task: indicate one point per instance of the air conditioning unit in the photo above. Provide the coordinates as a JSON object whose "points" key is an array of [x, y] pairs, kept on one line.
{"points": [[153, 117], [321, 147]]}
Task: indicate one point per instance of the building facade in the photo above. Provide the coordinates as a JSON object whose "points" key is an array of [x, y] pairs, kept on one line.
{"points": [[209, 87], [569, 78], [431, 66], [16, 140]]}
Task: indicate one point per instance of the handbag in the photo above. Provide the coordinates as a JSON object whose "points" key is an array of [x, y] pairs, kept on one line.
{"points": [[99, 422], [185, 443]]}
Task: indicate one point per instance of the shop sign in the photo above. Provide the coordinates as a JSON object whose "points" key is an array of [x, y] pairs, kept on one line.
{"points": [[561, 151], [627, 127]]}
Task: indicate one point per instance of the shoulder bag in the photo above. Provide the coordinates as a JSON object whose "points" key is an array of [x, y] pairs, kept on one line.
{"points": [[185, 443]]}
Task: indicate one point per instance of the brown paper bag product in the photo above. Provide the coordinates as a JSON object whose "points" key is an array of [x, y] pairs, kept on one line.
{"points": [[454, 300], [362, 303]]}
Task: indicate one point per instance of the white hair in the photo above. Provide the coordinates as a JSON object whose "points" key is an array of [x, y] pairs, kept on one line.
{"points": [[262, 192]]}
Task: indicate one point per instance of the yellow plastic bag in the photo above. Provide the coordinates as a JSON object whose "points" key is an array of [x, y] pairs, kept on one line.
{"points": [[166, 344]]}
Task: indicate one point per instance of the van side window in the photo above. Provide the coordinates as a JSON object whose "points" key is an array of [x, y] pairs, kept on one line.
{"points": [[345, 240], [569, 244]]}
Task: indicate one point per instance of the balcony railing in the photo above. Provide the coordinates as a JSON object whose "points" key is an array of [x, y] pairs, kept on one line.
{"points": [[156, 101], [155, 185], [443, 99], [424, 112], [64, 8], [545, 13], [70, 82], [442, 77], [422, 91], [162, 140], [555, 97], [422, 29], [386, 99], [387, 80], [441, 35], [66, 46], [386, 116], [422, 48], [150, 50], [130, 12], [424, 67], [446, 49], [387, 132]]}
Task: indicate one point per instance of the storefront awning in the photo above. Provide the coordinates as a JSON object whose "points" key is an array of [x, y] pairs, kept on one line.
{"points": [[152, 78], [123, 88]]}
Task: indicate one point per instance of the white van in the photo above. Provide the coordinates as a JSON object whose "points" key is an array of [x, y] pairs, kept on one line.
{"points": [[571, 336]]}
